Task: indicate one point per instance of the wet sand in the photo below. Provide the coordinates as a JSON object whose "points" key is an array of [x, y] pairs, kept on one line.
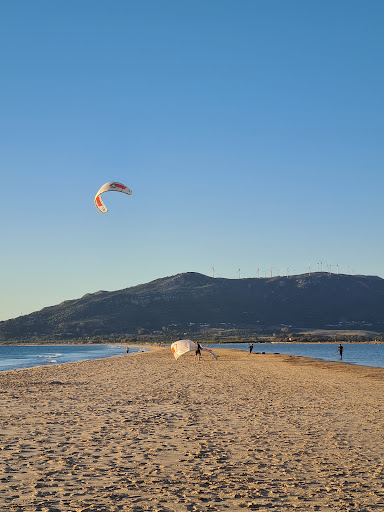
{"points": [[144, 432]]}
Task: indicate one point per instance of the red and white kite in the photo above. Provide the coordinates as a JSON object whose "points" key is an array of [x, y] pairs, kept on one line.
{"points": [[111, 186]]}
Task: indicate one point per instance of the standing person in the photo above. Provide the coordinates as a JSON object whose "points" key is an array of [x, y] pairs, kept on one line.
{"points": [[250, 348], [341, 348], [198, 351]]}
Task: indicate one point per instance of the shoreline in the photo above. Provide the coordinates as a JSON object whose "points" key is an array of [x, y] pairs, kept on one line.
{"points": [[355, 359], [149, 433], [56, 363], [263, 354]]}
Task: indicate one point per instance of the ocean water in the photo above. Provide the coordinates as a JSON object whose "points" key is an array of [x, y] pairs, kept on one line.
{"points": [[363, 354], [14, 357]]}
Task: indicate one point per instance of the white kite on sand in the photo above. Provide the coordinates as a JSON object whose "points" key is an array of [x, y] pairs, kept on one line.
{"points": [[181, 347]]}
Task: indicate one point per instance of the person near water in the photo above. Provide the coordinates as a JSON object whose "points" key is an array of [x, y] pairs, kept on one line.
{"points": [[250, 348], [341, 348], [198, 351]]}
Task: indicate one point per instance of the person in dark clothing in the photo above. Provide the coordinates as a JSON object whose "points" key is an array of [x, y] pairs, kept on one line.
{"points": [[250, 348], [198, 351], [341, 348]]}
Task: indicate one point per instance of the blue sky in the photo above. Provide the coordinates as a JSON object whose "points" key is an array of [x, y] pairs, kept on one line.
{"points": [[251, 134]]}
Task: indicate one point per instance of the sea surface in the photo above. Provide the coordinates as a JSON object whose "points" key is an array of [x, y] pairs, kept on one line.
{"points": [[13, 357], [363, 354]]}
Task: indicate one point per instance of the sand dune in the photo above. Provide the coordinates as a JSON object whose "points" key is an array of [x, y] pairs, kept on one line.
{"points": [[144, 432]]}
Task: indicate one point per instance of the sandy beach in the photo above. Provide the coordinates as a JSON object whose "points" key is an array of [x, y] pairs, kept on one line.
{"points": [[145, 432]]}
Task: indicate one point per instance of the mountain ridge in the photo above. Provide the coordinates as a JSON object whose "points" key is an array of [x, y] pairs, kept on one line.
{"points": [[317, 300]]}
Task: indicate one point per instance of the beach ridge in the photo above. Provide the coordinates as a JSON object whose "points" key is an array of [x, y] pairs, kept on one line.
{"points": [[147, 432]]}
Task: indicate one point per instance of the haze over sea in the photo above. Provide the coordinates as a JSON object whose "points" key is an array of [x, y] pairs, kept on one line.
{"points": [[14, 357]]}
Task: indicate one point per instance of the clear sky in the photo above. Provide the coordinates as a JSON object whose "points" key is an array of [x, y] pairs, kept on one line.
{"points": [[250, 131]]}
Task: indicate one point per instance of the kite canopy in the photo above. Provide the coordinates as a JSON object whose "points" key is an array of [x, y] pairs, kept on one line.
{"points": [[181, 347], [111, 186]]}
